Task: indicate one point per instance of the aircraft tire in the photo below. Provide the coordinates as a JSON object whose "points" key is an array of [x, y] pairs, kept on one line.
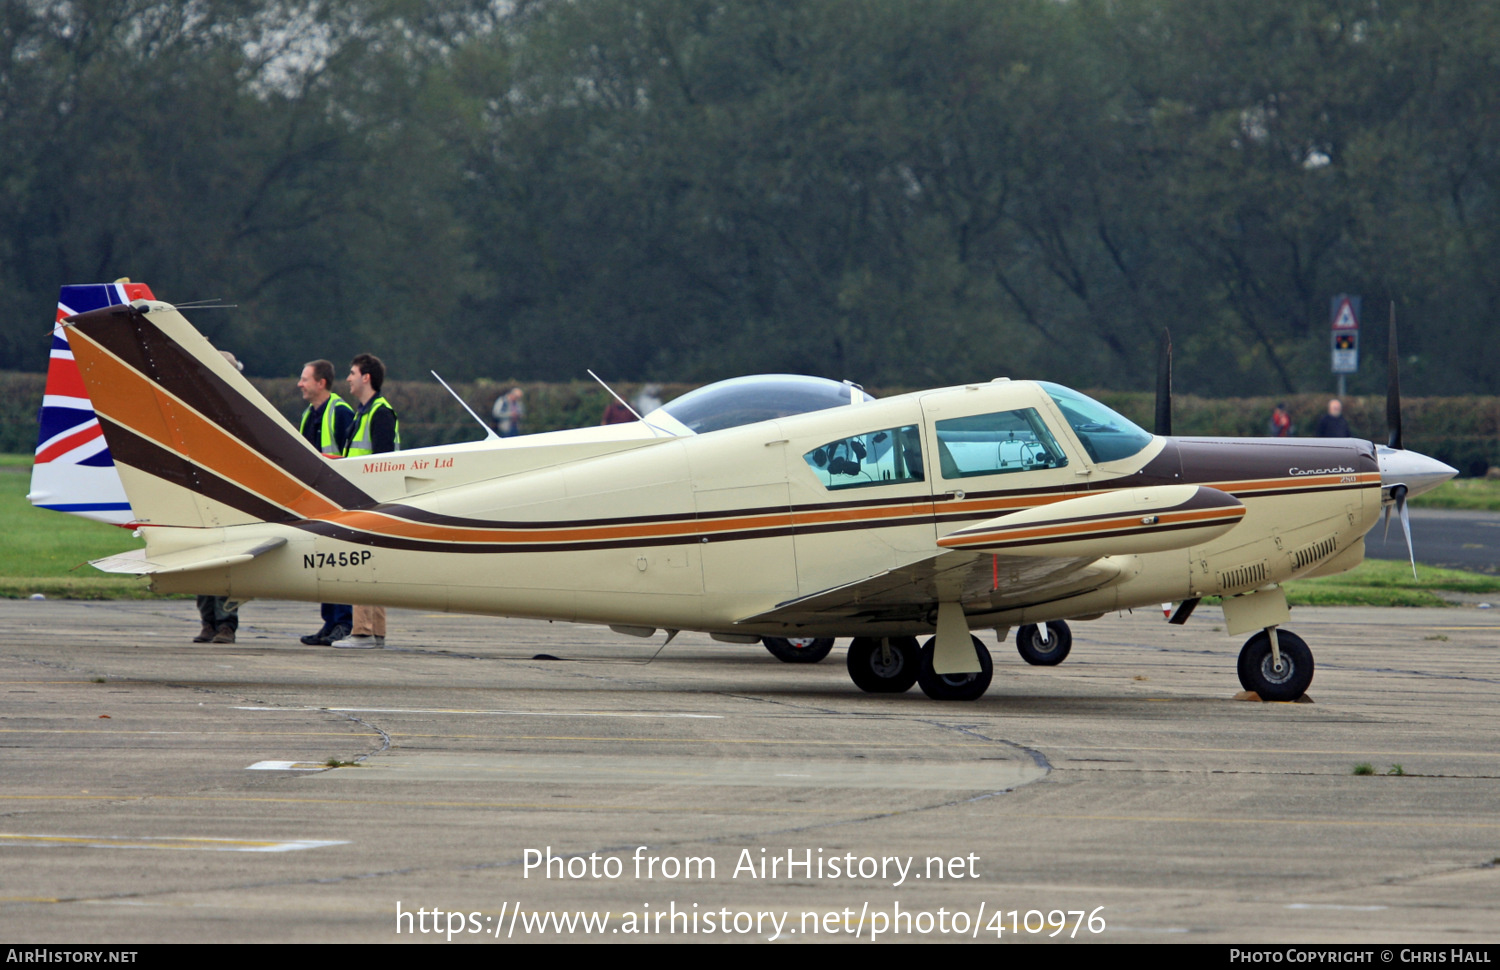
{"points": [[1259, 675], [1050, 653], [955, 687], [798, 650], [874, 674]]}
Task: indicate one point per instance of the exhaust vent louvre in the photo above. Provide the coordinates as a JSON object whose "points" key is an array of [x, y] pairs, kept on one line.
{"points": [[1316, 552], [1247, 576]]}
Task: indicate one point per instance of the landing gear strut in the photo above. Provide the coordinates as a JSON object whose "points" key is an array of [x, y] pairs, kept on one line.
{"points": [[1260, 672], [884, 665], [1044, 645], [798, 650], [955, 687]]}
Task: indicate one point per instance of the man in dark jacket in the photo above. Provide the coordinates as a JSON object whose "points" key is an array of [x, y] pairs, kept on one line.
{"points": [[1333, 424]]}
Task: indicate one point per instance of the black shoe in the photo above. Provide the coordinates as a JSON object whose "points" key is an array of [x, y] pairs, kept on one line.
{"points": [[206, 634], [337, 633], [319, 639]]}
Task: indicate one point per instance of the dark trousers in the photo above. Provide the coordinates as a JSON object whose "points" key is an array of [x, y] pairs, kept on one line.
{"points": [[338, 614], [217, 611]]}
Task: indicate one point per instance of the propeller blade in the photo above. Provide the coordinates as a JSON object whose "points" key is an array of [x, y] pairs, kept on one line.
{"points": [[1385, 517], [1393, 386], [1164, 385], [1399, 494]]}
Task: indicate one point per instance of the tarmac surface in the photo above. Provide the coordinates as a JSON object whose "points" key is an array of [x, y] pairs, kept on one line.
{"points": [[155, 790]]}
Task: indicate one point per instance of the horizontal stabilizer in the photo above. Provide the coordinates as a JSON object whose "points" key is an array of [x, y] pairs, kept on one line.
{"points": [[211, 556], [1129, 521]]}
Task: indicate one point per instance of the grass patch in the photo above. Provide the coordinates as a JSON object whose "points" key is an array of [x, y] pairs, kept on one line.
{"points": [[48, 552], [1478, 494], [1383, 582], [1364, 768]]}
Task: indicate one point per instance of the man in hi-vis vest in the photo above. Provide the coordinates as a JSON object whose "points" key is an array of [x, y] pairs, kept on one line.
{"points": [[376, 430], [326, 424]]}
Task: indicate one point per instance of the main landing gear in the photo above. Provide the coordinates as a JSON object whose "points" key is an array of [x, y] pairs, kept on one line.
{"points": [[799, 650], [955, 687], [884, 665], [1045, 644], [1283, 678]]}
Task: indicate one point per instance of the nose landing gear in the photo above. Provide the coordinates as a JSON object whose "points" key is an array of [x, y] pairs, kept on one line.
{"points": [[1282, 674]]}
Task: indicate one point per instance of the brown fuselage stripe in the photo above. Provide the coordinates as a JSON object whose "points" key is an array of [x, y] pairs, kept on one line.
{"points": [[131, 449]]}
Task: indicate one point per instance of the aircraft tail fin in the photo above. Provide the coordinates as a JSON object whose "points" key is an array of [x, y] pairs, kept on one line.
{"points": [[73, 470], [196, 445]]}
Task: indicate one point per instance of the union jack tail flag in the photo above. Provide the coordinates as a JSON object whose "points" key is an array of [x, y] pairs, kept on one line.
{"points": [[73, 471]]}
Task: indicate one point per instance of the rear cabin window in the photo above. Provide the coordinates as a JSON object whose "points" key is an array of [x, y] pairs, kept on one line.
{"points": [[876, 458], [994, 444]]}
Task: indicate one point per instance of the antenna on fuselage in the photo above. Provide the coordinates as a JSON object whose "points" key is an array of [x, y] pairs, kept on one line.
{"points": [[617, 397], [489, 432], [614, 395]]}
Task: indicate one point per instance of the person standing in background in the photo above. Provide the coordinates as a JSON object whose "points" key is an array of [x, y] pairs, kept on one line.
{"points": [[376, 430], [1333, 424], [509, 410], [326, 424]]}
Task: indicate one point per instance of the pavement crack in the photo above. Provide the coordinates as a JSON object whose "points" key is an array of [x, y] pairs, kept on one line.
{"points": [[385, 739]]}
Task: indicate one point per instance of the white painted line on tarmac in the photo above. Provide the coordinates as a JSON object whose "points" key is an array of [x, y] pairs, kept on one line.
{"points": [[286, 766], [1358, 909], [435, 710], [168, 842]]}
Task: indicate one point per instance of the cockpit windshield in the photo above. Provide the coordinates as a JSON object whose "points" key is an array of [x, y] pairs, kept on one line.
{"points": [[745, 400], [1105, 434]]}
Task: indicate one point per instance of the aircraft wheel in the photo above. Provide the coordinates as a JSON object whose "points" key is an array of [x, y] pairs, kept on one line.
{"points": [[1044, 654], [1259, 673], [798, 650], [955, 687], [876, 671]]}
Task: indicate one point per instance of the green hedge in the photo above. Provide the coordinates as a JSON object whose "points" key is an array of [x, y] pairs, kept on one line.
{"points": [[1463, 431]]}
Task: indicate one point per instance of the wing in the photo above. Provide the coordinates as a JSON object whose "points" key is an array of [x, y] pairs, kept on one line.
{"points": [[984, 583], [1020, 560]]}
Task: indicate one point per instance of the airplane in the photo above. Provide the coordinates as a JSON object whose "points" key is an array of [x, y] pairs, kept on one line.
{"points": [[773, 508]]}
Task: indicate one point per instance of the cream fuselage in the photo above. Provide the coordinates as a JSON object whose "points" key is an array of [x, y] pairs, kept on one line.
{"points": [[724, 531]]}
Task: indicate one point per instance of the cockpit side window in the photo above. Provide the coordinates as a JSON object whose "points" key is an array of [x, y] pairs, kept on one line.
{"points": [[994, 444], [1105, 434], [875, 458]]}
